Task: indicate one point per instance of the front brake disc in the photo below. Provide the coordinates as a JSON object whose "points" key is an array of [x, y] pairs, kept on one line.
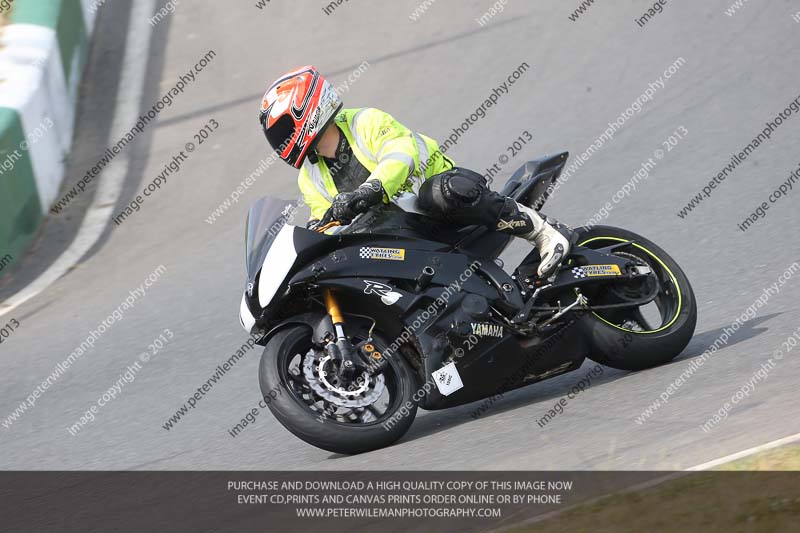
{"points": [[321, 377]]}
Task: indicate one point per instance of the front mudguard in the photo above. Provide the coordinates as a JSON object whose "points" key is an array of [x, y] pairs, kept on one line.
{"points": [[318, 321]]}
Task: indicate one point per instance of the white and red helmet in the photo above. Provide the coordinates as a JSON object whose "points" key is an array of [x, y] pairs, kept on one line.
{"points": [[295, 110]]}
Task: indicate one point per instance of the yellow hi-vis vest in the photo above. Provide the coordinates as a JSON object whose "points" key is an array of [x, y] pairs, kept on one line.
{"points": [[401, 159]]}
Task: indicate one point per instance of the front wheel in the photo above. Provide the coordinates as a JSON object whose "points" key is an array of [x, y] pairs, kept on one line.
{"points": [[649, 335], [311, 403]]}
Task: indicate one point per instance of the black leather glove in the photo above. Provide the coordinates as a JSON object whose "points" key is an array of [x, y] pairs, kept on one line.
{"points": [[347, 205]]}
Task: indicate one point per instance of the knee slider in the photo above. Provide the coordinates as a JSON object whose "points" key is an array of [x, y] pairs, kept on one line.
{"points": [[460, 196], [463, 188]]}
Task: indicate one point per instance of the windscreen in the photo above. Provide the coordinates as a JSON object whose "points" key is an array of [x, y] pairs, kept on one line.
{"points": [[264, 220]]}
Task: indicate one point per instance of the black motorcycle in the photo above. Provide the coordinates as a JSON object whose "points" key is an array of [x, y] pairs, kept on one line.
{"points": [[399, 311]]}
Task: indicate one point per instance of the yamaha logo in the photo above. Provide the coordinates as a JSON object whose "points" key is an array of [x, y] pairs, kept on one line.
{"points": [[487, 330]]}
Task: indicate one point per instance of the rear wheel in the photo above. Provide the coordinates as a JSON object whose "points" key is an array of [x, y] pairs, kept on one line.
{"points": [[314, 405], [648, 335]]}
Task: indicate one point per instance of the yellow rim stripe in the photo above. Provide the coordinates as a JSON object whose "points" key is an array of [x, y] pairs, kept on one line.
{"points": [[671, 275]]}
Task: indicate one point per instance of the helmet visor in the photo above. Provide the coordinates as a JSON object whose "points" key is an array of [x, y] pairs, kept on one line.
{"points": [[281, 135]]}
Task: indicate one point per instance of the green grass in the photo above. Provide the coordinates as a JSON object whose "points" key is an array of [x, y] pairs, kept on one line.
{"points": [[784, 458], [739, 496]]}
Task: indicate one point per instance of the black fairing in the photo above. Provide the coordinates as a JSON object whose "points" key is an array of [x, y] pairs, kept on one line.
{"points": [[470, 322], [489, 364], [494, 365]]}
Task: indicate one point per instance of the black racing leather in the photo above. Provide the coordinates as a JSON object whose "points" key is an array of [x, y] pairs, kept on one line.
{"points": [[346, 170], [512, 220], [460, 196]]}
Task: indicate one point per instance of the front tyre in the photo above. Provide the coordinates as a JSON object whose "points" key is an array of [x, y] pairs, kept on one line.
{"points": [[639, 338], [307, 404]]}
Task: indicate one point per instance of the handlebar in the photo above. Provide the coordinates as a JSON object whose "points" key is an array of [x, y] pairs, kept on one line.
{"points": [[326, 222], [326, 227]]}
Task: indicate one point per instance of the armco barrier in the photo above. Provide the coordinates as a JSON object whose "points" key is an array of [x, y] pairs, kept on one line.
{"points": [[43, 49]]}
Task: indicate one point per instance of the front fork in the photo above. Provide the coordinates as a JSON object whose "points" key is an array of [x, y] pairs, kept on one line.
{"points": [[342, 349]]}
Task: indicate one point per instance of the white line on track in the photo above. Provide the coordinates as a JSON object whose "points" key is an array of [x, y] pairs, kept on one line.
{"points": [[746, 453], [129, 96]]}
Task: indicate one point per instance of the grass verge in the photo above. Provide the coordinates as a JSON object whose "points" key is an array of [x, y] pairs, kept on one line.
{"points": [[754, 494]]}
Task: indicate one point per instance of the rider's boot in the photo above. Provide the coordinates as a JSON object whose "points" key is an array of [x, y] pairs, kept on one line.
{"points": [[552, 239]]}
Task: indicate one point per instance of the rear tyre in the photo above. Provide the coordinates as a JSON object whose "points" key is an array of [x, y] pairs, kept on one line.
{"points": [[284, 371], [642, 338]]}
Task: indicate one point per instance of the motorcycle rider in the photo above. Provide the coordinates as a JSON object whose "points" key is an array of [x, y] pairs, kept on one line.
{"points": [[352, 159]]}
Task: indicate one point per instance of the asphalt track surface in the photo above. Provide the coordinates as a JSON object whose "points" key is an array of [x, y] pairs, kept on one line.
{"points": [[739, 72]]}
